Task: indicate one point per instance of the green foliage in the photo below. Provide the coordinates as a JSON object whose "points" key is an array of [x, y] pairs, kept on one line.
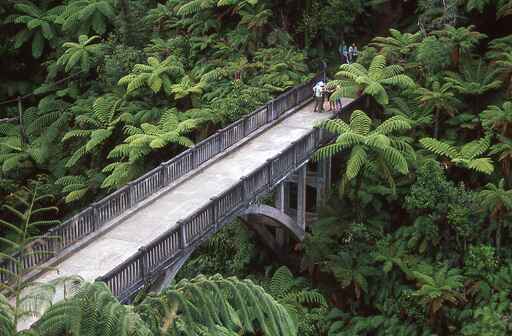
{"points": [[203, 305], [156, 75], [356, 79], [39, 25], [378, 151], [305, 306], [438, 288], [83, 53], [398, 46], [467, 156], [21, 299], [236, 305], [141, 142], [82, 16]]}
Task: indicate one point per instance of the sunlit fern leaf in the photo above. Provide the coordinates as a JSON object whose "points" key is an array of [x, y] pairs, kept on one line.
{"points": [[439, 148], [393, 124], [483, 165], [360, 122], [356, 161], [475, 148], [77, 156]]}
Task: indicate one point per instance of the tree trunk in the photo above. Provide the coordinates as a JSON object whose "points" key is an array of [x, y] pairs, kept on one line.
{"points": [[498, 237], [436, 125], [125, 12]]}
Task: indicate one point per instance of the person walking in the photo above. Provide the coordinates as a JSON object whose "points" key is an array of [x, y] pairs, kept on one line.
{"points": [[350, 53], [345, 54], [355, 52], [319, 96]]}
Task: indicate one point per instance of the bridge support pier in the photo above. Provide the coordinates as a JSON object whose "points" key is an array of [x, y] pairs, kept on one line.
{"points": [[324, 185], [281, 198], [301, 197]]}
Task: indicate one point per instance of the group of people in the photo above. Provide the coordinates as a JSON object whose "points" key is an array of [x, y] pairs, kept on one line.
{"points": [[321, 92], [348, 55]]}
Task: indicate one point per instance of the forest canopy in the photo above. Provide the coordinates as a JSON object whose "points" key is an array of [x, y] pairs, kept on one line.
{"points": [[415, 238]]}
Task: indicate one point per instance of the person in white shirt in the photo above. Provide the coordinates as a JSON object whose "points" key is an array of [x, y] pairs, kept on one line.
{"points": [[350, 53], [318, 91]]}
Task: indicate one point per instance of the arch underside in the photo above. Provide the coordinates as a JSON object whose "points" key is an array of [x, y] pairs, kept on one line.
{"points": [[263, 210]]}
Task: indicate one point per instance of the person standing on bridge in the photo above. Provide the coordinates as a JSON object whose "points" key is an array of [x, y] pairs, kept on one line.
{"points": [[355, 52], [329, 90], [345, 54], [318, 92]]}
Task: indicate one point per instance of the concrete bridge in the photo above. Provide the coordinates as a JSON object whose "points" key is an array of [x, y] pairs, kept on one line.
{"points": [[143, 233]]}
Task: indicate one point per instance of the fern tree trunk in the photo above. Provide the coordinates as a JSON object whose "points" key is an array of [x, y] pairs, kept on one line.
{"points": [[125, 18], [436, 125]]}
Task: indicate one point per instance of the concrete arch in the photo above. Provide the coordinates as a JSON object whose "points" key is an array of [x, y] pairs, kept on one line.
{"points": [[278, 216]]}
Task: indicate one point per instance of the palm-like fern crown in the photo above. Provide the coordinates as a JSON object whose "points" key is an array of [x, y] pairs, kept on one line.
{"points": [[82, 16], [475, 78], [39, 22], [97, 126], [377, 150], [156, 75], [499, 46], [464, 38], [82, 53], [397, 45], [410, 110], [92, 311], [496, 199], [201, 306], [497, 118], [439, 98], [143, 140], [371, 81], [466, 156]]}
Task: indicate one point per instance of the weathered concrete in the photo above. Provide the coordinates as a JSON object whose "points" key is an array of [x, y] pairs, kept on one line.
{"points": [[277, 215], [121, 242]]}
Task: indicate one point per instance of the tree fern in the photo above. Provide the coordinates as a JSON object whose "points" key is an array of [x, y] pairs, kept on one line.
{"points": [[369, 146], [24, 299], [156, 75], [355, 78], [82, 16], [40, 25], [465, 156], [144, 140], [84, 53], [212, 302]]}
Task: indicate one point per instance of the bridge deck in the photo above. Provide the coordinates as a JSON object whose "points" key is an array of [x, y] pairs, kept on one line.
{"points": [[115, 246]]}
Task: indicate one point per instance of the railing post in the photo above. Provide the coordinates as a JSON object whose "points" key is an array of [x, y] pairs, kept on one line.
{"points": [[244, 191], [142, 263], [214, 211], [193, 151], [95, 216], [218, 139], [130, 197], [270, 178], [294, 148], [163, 173], [182, 235], [268, 115], [244, 126]]}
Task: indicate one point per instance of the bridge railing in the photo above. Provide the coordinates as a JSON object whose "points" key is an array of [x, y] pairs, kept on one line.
{"points": [[131, 275], [98, 214]]}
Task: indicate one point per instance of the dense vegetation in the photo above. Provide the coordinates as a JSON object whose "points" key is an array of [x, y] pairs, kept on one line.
{"points": [[416, 236]]}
